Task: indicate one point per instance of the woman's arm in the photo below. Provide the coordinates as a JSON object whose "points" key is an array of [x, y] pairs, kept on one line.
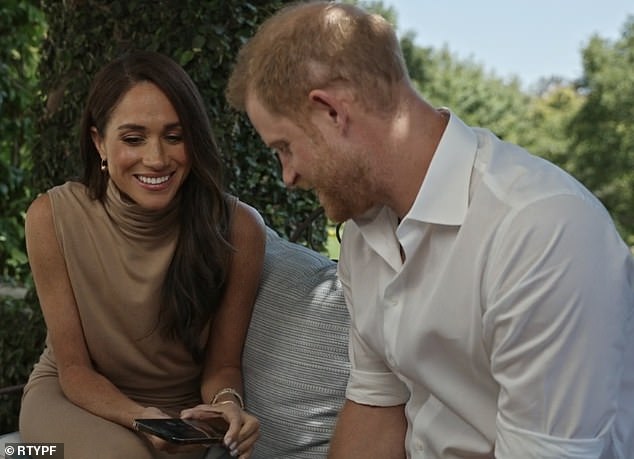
{"points": [[79, 381], [223, 364]]}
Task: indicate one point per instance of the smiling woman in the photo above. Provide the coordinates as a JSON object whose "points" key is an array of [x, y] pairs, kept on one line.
{"points": [[146, 316]]}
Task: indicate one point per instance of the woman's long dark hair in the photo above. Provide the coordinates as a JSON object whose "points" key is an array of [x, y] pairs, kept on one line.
{"points": [[195, 279]]}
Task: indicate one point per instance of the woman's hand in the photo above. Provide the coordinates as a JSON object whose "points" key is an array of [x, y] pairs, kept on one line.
{"points": [[244, 428]]}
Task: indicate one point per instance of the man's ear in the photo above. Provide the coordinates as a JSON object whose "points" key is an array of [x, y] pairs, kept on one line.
{"points": [[328, 104]]}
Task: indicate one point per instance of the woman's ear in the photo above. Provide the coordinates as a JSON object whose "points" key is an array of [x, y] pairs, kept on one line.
{"points": [[98, 141], [329, 105]]}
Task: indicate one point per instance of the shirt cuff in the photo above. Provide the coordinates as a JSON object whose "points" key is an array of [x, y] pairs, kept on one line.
{"points": [[378, 389]]}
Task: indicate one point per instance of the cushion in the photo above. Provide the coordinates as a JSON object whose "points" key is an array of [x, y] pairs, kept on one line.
{"points": [[13, 437], [296, 353]]}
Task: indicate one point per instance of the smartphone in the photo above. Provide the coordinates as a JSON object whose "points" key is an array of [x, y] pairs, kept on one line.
{"points": [[185, 431]]}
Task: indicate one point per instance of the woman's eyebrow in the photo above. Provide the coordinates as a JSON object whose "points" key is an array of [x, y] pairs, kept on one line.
{"points": [[136, 127]]}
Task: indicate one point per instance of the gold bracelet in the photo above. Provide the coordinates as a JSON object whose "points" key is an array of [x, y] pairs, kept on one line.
{"points": [[228, 390]]}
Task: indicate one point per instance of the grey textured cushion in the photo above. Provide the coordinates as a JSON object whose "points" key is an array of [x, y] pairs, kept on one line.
{"points": [[296, 353], [13, 437]]}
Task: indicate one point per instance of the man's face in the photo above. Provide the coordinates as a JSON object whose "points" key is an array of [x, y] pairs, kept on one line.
{"points": [[335, 170]]}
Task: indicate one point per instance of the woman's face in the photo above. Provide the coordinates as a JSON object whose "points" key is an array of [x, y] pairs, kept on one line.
{"points": [[144, 148]]}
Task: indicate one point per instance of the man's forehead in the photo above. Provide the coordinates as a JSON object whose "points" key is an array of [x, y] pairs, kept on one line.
{"points": [[255, 107]]}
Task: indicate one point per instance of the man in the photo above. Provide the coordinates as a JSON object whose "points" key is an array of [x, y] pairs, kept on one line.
{"points": [[491, 298]]}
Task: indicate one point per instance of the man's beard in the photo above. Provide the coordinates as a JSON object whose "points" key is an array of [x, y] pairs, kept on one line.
{"points": [[342, 184]]}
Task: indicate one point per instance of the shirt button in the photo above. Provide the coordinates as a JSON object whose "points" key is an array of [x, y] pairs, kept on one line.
{"points": [[419, 446]]}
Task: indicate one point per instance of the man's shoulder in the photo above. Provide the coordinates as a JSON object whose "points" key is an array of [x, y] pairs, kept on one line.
{"points": [[518, 178]]}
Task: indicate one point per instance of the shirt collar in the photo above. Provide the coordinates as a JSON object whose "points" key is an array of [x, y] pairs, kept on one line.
{"points": [[443, 197]]}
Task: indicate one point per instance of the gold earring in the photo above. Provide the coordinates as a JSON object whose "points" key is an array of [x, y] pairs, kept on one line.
{"points": [[104, 165]]}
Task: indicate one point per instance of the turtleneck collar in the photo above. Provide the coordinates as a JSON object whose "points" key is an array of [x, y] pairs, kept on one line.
{"points": [[139, 223]]}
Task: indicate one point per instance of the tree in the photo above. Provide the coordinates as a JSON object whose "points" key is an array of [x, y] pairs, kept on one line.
{"points": [[603, 130], [552, 111], [22, 26], [478, 97]]}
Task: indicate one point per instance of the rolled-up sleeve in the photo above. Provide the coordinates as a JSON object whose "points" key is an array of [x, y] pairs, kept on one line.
{"points": [[371, 381]]}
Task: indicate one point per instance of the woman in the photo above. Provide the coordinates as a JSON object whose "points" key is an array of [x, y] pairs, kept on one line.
{"points": [[146, 273]]}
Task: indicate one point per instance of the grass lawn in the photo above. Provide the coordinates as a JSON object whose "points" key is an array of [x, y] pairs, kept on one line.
{"points": [[332, 244]]}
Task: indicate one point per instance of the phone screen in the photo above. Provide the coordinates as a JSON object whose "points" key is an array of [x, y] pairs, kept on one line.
{"points": [[184, 431]]}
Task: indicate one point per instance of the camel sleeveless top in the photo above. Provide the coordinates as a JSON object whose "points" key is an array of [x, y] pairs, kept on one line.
{"points": [[117, 255]]}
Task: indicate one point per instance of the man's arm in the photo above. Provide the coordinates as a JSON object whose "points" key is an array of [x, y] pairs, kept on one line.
{"points": [[369, 432], [559, 321]]}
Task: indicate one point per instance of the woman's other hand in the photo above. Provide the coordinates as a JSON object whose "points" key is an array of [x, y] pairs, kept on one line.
{"points": [[244, 428]]}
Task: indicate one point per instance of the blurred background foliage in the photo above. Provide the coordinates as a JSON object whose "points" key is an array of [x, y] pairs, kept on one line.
{"points": [[49, 51], [22, 27]]}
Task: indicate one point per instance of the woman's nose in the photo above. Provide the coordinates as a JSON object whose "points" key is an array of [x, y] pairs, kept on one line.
{"points": [[155, 155]]}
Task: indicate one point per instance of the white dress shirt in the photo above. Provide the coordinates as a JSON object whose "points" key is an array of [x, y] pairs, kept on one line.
{"points": [[508, 330]]}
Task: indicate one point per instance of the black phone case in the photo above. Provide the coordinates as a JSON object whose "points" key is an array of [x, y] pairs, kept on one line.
{"points": [[184, 431]]}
